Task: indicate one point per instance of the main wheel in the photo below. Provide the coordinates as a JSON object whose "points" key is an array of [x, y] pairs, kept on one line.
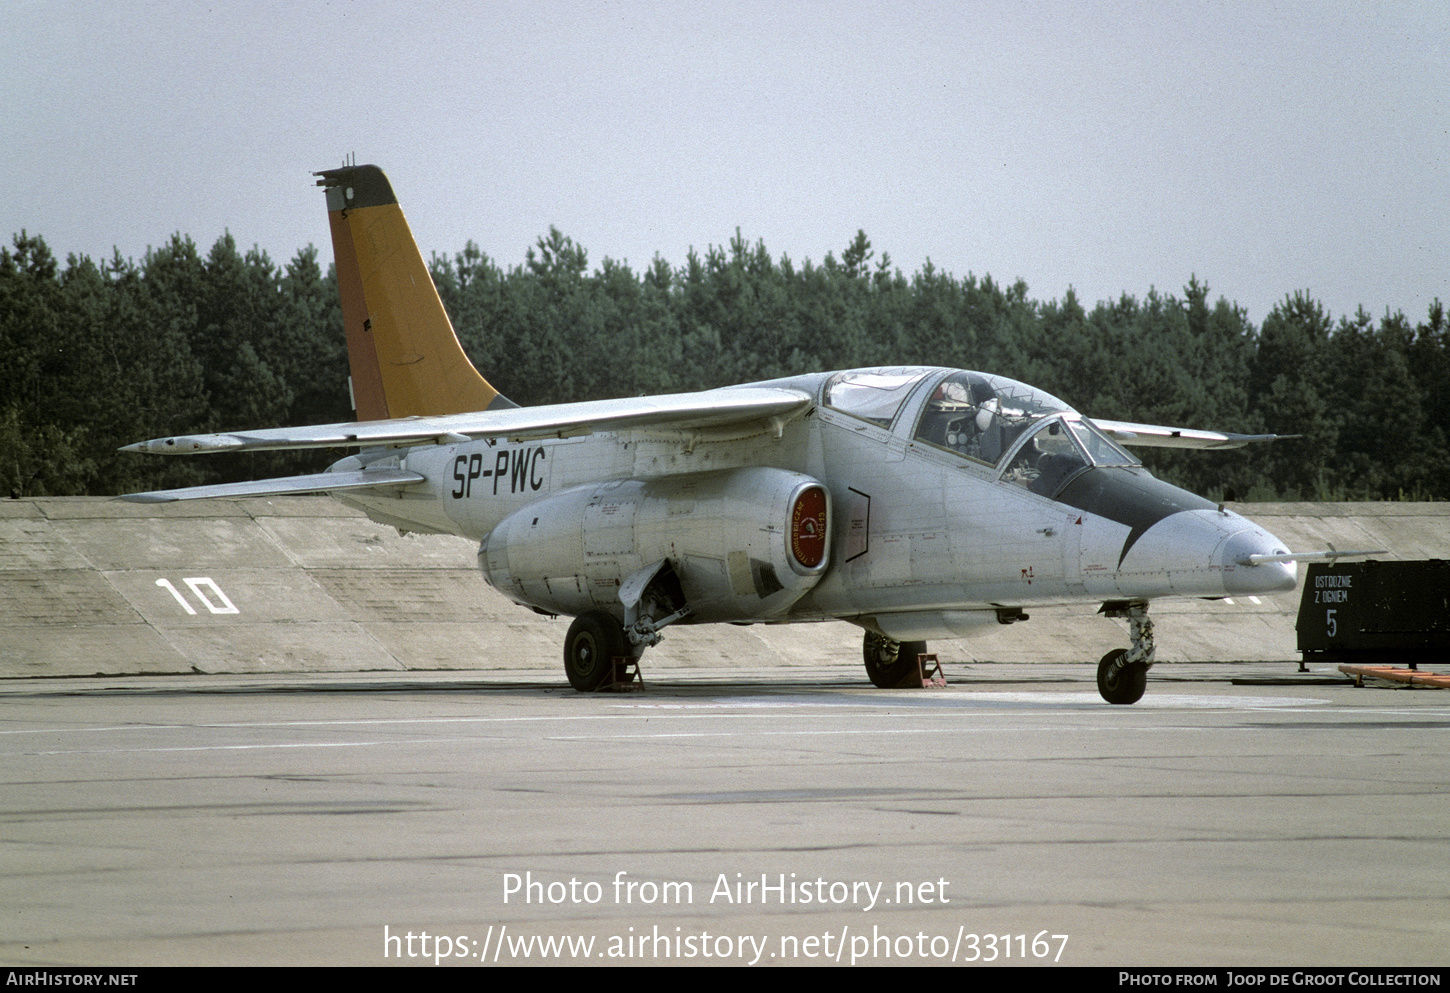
{"points": [[890, 664], [593, 640], [1127, 684]]}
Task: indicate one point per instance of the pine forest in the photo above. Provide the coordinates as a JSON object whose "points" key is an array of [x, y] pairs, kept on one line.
{"points": [[99, 355]]}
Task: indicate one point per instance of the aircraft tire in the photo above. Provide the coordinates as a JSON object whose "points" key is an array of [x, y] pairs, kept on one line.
{"points": [[890, 670], [1129, 683], [593, 639]]}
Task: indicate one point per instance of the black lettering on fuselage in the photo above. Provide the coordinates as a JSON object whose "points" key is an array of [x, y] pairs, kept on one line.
{"points": [[519, 474], [476, 470], [474, 463], [521, 467]]}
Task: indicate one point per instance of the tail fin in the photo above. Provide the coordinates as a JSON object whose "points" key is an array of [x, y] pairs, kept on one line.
{"points": [[404, 354]]}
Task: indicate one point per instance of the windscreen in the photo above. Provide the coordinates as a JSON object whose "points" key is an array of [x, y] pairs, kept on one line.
{"points": [[1058, 450]]}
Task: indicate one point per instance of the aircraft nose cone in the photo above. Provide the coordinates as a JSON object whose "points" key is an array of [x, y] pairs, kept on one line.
{"points": [[1268, 577]]}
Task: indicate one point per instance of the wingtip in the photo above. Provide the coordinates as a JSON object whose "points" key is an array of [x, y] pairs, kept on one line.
{"points": [[154, 497], [187, 444]]}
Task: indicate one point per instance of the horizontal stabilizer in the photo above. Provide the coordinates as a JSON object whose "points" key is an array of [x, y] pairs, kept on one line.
{"points": [[319, 482], [674, 412], [1159, 436]]}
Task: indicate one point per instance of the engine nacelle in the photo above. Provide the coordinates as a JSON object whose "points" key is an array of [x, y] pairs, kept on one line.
{"points": [[745, 544]]}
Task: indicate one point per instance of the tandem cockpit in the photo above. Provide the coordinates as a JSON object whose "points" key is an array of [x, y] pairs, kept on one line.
{"points": [[1016, 432]]}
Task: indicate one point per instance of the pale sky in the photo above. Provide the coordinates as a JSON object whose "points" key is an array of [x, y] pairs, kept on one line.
{"points": [[1266, 147]]}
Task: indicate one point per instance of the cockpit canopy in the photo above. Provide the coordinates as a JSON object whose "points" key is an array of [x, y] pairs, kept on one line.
{"points": [[874, 395], [1035, 439], [981, 416]]}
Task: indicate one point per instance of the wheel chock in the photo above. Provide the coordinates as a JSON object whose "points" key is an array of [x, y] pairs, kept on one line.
{"points": [[928, 668], [624, 676]]}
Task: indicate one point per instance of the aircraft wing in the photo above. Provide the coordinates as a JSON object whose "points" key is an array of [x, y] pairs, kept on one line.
{"points": [[1159, 436], [675, 412], [319, 482]]}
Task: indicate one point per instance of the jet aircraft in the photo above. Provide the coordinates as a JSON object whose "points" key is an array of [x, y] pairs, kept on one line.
{"points": [[915, 502]]}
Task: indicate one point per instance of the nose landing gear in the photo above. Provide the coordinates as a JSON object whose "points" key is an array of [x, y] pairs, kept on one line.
{"points": [[1123, 672]]}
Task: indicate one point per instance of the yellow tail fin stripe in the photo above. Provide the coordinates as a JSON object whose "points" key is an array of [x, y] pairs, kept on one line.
{"points": [[368, 396], [405, 358]]}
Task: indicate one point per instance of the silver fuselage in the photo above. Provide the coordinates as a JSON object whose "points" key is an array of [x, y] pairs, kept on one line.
{"points": [[925, 542]]}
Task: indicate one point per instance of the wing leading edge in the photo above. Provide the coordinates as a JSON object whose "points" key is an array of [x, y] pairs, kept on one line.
{"points": [[1160, 436], [675, 412], [678, 412]]}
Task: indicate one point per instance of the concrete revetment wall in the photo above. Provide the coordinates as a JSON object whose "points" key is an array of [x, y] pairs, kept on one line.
{"points": [[95, 586]]}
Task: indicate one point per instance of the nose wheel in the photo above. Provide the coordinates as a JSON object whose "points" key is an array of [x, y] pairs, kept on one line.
{"points": [[1121, 682], [1123, 672]]}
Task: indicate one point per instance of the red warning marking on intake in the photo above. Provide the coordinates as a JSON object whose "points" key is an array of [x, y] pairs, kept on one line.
{"points": [[808, 527]]}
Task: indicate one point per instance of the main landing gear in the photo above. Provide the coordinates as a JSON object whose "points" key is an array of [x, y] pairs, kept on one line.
{"points": [[1123, 672], [594, 639], [652, 599], [891, 664]]}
